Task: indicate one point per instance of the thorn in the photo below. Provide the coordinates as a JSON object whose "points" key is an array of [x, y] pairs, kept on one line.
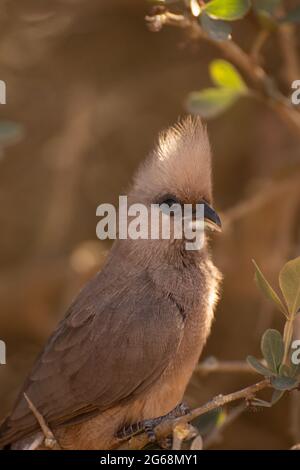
{"points": [[49, 441]]}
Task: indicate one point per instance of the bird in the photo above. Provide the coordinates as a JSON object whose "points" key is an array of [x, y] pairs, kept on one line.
{"points": [[130, 341]]}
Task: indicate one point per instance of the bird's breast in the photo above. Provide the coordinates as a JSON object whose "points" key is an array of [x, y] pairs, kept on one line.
{"points": [[197, 301]]}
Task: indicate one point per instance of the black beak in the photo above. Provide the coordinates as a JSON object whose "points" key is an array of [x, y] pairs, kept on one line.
{"points": [[211, 218]]}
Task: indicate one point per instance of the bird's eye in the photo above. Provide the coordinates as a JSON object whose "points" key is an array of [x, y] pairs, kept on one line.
{"points": [[169, 204]]}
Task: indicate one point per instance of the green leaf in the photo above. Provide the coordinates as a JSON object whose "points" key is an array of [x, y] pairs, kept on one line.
{"points": [[272, 348], [277, 394], [261, 369], [216, 29], [292, 16], [224, 74], [283, 383], [289, 281], [211, 102], [228, 10], [267, 290]]}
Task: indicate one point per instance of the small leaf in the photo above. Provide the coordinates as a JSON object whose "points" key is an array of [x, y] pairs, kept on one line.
{"points": [[224, 74], [289, 281], [267, 290], [292, 16], [228, 10], [211, 102], [283, 383], [261, 369], [277, 394], [272, 348], [216, 29]]}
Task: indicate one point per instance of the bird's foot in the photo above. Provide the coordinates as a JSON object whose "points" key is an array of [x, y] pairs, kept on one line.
{"points": [[180, 410], [148, 425]]}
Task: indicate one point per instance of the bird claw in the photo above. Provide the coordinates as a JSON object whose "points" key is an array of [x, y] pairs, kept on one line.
{"points": [[180, 410], [148, 425]]}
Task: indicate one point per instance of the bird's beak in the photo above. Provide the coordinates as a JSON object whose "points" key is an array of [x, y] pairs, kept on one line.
{"points": [[211, 219]]}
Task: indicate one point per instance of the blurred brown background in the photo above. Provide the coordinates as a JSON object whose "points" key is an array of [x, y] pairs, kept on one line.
{"points": [[91, 87]]}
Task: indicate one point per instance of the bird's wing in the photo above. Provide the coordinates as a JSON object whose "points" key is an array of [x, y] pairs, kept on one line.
{"points": [[113, 344]]}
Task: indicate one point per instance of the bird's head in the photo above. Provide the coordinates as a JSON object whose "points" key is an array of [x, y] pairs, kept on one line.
{"points": [[178, 171]]}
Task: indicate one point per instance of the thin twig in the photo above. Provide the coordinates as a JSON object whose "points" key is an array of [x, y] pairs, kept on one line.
{"points": [[288, 46], [50, 441], [36, 443], [258, 44], [287, 41], [264, 84], [167, 425]]}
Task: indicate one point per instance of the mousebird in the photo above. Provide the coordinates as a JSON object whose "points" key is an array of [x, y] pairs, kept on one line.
{"points": [[127, 347]]}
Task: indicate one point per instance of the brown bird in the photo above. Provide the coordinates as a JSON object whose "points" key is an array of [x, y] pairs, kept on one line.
{"points": [[130, 341]]}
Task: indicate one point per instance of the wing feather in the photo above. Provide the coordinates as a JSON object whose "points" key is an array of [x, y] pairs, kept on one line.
{"points": [[113, 344]]}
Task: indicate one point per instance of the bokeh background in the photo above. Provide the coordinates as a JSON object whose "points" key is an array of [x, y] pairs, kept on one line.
{"points": [[90, 87]]}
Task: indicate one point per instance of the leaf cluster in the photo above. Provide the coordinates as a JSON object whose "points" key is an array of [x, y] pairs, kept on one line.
{"points": [[276, 349]]}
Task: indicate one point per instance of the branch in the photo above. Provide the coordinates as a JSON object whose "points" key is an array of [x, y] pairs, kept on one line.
{"points": [[50, 441], [167, 425], [258, 44], [262, 82], [287, 40], [288, 46]]}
